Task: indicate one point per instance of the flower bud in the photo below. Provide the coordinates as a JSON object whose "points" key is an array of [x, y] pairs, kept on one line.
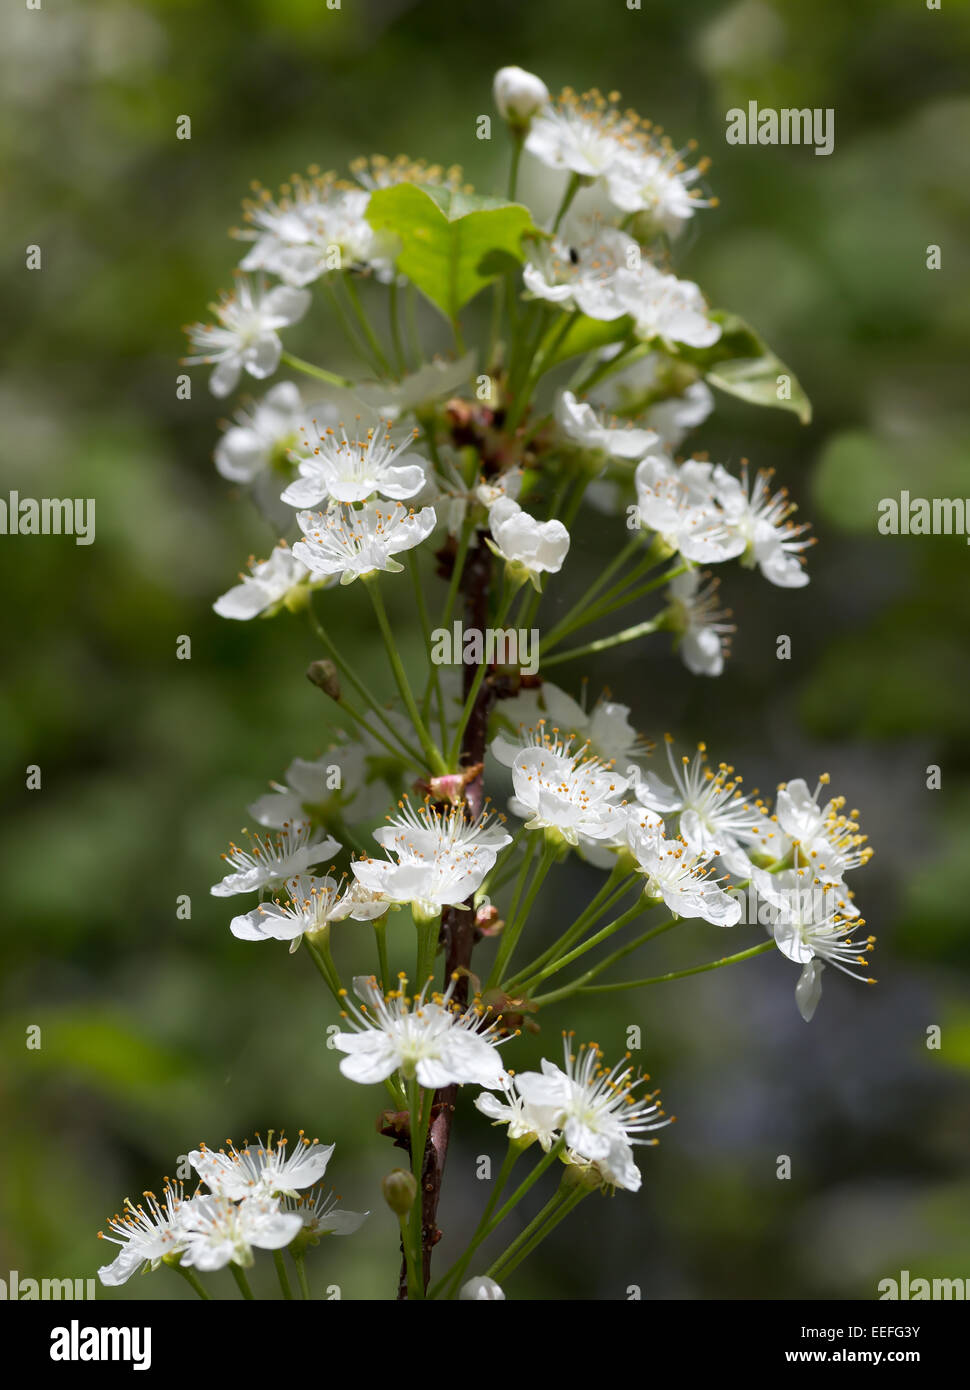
{"points": [[481, 1288], [399, 1189], [487, 920], [324, 675], [518, 95]]}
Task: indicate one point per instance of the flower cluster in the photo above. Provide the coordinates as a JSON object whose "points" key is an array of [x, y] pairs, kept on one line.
{"points": [[470, 464], [259, 1197]]}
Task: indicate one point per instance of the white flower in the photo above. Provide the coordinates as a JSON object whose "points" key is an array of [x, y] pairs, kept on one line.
{"points": [[664, 307], [269, 861], [566, 790], [761, 520], [280, 581], [828, 840], [310, 904], [262, 1170], [316, 226], [606, 730], [432, 832], [321, 1216], [580, 422], [679, 876], [254, 452], [537, 547], [601, 1116], [518, 95], [705, 639], [441, 857], [339, 238], [813, 928], [217, 1230], [311, 785], [481, 1289], [363, 905], [652, 177], [353, 469], [146, 1233], [427, 1037], [248, 333], [580, 269], [427, 885], [524, 1121], [716, 818], [582, 134], [377, 171], [270, 428], [677, 502], [353, 543], [641, 387]]}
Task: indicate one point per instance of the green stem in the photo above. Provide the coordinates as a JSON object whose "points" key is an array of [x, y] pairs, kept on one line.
{"points": [[513, 929], [476, 684], [242, 1281], [411, 309], [192, 1279], [433, 686], [428, 933], [435, 759], [414, 1277], [629, 634], [579, 385], [298, 1260], [617, 884], [618, 923], [457, 1271], [365, 325], [394, 316], [380, 932], [458, 568], [521, 1191], [572, 188], [321, 374], [419, 1108], [518, 140], [682, 974], [324, 967], [581, 980], [366, 695], [357, 344], [282, 1275], [606, 606], [520, 1250], [532, 842], [605, 576]]}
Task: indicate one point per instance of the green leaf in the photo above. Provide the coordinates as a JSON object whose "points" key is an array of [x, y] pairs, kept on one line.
{"points": [[452, 243], [743, 364]]}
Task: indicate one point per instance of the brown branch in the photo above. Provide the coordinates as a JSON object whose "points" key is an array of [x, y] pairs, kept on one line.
{"points": [[457, 923]]}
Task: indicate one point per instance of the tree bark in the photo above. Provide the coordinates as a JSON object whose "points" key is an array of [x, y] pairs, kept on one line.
{"points": [[457, 923]]}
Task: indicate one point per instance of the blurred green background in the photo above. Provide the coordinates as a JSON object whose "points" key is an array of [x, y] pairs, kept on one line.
{"points": [[157, 1032]]}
